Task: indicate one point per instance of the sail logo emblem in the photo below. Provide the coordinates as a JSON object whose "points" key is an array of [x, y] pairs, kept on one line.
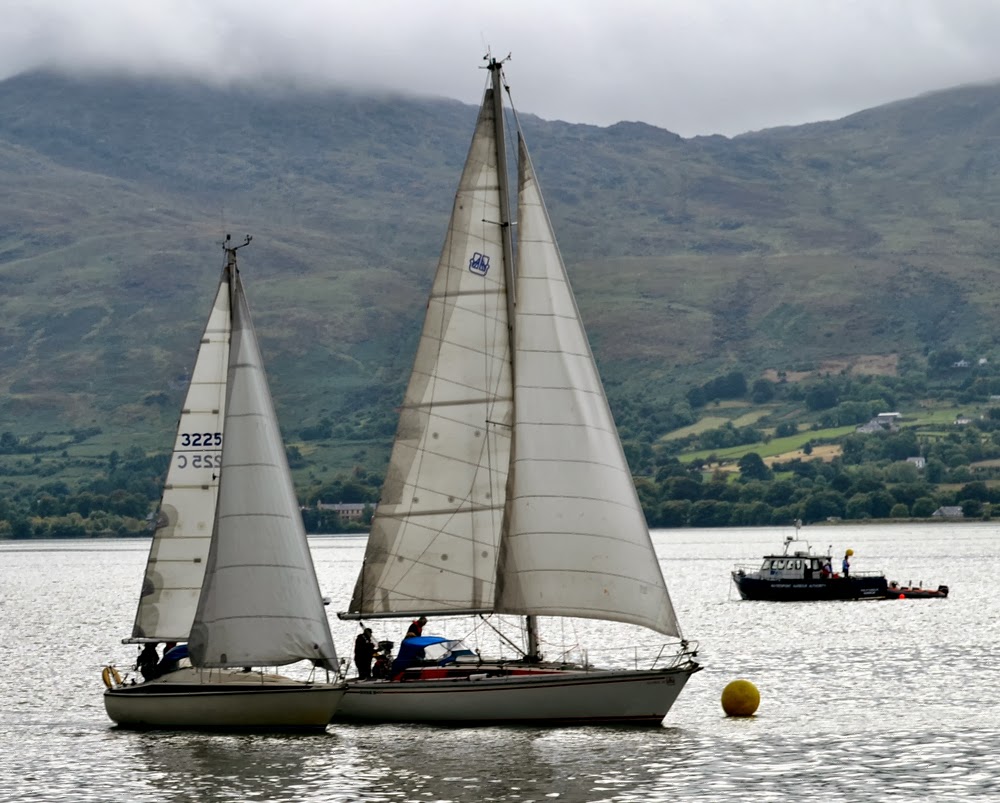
{"points": [[479, 264]]}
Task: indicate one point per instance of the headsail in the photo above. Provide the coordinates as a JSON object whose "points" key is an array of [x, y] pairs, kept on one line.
{"points": [[176, 564], [260, 602], [577, 543], [434, 539]]}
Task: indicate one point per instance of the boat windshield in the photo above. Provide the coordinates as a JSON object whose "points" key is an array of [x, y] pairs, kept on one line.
{"points": [[438, 649]]}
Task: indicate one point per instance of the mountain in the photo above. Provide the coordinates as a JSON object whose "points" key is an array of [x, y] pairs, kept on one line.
{"points": [[842, 245]]}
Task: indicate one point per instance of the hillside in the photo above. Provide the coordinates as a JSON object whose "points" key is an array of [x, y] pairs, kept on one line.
{"points": [[864, 241]]}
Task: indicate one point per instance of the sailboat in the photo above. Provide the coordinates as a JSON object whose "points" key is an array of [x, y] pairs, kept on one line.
{"points": [[229, 570], [508, 491]]}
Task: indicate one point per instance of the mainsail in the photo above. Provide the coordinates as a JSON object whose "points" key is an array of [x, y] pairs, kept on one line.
{"points": [[260, 603], [434, 539], [176, 564]]}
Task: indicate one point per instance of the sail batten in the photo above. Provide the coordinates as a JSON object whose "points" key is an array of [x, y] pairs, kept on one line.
{"points": [[455, 403], [435, 297], [449, 511]]}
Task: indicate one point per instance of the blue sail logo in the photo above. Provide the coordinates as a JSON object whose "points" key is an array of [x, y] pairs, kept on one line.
{"points": [[479, 264]]}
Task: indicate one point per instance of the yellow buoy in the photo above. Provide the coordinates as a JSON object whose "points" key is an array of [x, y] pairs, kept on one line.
{"points": [[740, 698]]}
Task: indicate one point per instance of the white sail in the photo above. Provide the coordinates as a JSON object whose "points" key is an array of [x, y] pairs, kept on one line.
{"points": [[577, 541], [434, 539], [260, 603], [176, 564]]}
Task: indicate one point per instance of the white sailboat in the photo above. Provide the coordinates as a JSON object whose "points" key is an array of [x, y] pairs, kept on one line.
{"points": [[229, 570], [508, 491]]}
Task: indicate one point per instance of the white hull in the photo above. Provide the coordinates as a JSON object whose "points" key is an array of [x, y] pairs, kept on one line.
{"points": [[564, 697], [223, 700]]}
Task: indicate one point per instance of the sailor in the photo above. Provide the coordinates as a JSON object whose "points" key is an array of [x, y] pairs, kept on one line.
{"points": [[846, 566], [364, 651], [147, 661], [413, 631], [416, 628]]}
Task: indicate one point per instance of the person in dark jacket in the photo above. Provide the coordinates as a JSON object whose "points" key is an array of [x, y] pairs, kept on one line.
{"points": [[147, 662], [364, 651]]}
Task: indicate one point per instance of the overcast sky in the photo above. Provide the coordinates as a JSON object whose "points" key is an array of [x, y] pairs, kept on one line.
{"points": [[691, 66]]}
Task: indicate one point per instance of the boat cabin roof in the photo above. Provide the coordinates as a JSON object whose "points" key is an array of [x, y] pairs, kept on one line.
{"points": [[798, 554], [798, 551]]}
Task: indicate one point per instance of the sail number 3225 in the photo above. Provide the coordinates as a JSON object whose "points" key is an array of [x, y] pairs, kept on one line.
{"points": [[202, 439]]}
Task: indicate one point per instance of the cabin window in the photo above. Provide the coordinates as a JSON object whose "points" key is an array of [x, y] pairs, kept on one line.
{"points": [[779, 564], [766, 566], [798, 564]]}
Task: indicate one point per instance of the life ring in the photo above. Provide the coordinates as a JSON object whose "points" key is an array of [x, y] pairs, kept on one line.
{"points": [[111, 677]]}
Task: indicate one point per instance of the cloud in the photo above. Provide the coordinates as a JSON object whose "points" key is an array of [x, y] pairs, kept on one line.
{"points": [[693, 66]]}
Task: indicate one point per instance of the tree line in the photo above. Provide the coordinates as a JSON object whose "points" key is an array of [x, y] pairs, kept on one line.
{"points": [[869, 479]]}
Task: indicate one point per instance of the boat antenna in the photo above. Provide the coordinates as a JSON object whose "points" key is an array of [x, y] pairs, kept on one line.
{"points": [[493, 63], [232, 249]]}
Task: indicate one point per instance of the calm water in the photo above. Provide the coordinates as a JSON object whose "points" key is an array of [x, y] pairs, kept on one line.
{"points": [[860, 701]]}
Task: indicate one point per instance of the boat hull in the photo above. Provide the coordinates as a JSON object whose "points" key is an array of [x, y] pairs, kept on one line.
{"points": [[189, 699], [903, 592], [569, 697], [798, 590]]}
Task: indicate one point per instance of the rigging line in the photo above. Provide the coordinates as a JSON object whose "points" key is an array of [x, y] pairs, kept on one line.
{"points": [[509, 130], [504, 638]]}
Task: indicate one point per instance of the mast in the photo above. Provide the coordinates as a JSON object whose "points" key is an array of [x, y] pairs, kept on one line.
{"points": [[495, 68], [508, 244]]}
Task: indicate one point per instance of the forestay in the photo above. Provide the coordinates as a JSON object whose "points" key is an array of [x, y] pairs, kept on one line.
{"points": [[434, 539], [577, 541], [260, 602], [176, 565]]}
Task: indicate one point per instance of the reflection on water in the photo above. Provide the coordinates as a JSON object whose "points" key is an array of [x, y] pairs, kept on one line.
{"points": [[860, 701]]}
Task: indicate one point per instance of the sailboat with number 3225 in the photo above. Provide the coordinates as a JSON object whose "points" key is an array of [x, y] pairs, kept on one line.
{"points": [[229, 572]]}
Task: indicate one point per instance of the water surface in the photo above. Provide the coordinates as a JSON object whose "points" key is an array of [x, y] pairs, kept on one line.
{"points": [[861, 701]]}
